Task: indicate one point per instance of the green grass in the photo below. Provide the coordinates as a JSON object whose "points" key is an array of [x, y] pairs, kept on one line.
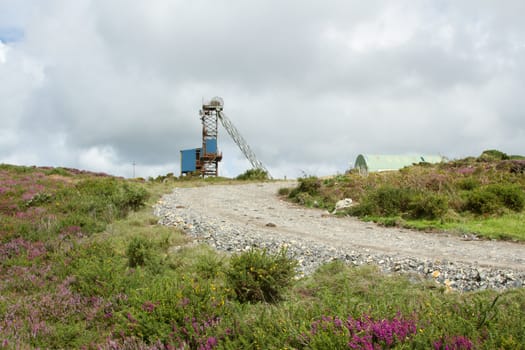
{"points": [[483, 196], [506, 227], [80, 291]]}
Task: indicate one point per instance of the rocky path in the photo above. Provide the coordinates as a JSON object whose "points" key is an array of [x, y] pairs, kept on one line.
{"points": [[236, 217]]}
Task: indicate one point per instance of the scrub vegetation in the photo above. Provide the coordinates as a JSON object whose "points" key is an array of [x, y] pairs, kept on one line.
{"points": [[483, 195], [83, 264], [253, 174]]}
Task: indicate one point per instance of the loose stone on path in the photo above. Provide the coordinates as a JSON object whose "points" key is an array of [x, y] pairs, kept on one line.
{"points": [[223, 235]]}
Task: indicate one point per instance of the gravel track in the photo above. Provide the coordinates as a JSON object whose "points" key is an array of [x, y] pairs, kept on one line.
{"points": [[236, 217]]}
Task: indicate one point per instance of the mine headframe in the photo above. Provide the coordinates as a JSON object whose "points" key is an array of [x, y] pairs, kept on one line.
{"points": [[205, 160]]}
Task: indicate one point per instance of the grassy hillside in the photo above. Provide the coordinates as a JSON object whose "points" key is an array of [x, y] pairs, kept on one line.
{"points": [[483, 196], [84, 265]]}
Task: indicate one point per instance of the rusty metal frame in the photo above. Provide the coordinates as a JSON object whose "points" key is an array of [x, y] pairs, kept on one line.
{"points": [[208, 164]]}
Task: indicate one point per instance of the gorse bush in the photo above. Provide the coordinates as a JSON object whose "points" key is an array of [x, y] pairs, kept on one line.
{"points": [[428, 205], [130, 197], [93, 203], [494, 198], [310, 185], [179, 310], [284, 191], [391, 201], [98, 270], [510, 196], [483, 195], [384, 201], [139, 251], [253, 174], [491, 155], [308, 193], [109, 194], [467, 184], [46, 203], [257, 275], [59, 171], [481, 201], [209, 265], [64, 287]]}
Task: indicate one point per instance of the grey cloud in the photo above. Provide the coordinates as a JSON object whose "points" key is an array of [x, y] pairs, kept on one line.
{"points": [[309, 85]]}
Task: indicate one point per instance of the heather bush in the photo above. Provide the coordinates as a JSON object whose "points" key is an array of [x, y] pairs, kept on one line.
{"points": [[65, 286], [38, 199], [427, 196], [365, 332], [92, 203], [180, 310], [257, 275], [517, 166]]}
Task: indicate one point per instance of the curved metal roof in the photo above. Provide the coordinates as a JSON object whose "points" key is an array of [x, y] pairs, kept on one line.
{"points": [[376, 162]]}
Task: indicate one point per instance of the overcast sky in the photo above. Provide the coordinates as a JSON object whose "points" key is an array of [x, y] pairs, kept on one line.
{"points": [[102, 84]]}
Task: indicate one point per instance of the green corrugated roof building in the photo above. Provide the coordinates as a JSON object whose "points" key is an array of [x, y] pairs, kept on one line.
{"points": [[366, 163]]}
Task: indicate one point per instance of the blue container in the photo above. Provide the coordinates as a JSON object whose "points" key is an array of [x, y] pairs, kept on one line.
{"points": [[189, 160]]}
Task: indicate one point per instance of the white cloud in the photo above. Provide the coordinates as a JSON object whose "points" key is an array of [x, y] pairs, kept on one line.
{"points": [[3, 52], [98, 158], [7, 139], [394, 27], [102, 85]]}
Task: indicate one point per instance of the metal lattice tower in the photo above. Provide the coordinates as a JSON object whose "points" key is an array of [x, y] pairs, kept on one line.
{"points": [[205, 160], [209, 158]]}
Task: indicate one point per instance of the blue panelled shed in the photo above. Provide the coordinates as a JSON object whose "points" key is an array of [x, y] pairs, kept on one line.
{"points": [[189, 159]]}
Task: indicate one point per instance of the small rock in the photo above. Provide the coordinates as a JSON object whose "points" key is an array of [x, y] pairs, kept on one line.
{"points": [[221, 234], [342, 204]]}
